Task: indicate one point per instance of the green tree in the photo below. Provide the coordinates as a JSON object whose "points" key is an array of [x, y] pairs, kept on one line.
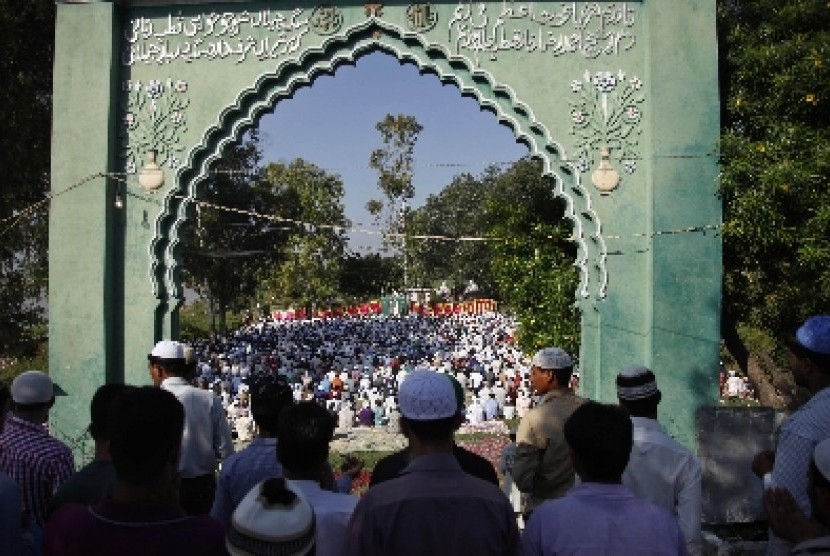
{"points": [[225, 252], [458, 211], [775, 147], [309, 273], [393, 163], [533, 265], [367, 277], [27, 29]]}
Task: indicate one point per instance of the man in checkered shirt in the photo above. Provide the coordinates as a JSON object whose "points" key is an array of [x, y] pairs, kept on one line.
{"points": [[787, 466], [38, 462]]}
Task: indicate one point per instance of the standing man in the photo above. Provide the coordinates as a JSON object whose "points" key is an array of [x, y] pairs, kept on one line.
{"points": [[434, 507], [142, 517], [787, 467], [660, 469], [270, 394], [304, 434], [207, 436], [97, 479], [601, 515], [542, 468], [36, 461]]}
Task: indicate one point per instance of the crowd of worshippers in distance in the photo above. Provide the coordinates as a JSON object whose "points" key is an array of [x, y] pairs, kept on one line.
{"points": [[228, 451]]}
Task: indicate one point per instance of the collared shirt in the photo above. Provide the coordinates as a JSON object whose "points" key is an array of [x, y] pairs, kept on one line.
{"points": [[596, 518], [799, 436], [331, 513], [240, 472], [542, 466], [433, 508], [38, 462], [11, 532], [664, 472], [111, 528], [207, 435]]}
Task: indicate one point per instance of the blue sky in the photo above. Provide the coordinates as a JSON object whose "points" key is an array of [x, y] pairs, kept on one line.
{"points": [[332, 124]]}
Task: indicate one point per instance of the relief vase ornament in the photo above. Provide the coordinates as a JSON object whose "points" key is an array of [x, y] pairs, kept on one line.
{"points": [[151, 176], [605, 178]]}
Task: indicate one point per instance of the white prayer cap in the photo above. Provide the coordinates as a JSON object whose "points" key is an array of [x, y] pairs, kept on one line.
{"points": [[552, 358], [427, 396]]}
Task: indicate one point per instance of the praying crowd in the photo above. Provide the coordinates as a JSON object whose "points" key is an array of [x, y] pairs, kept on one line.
{"points": [[580, 477]]}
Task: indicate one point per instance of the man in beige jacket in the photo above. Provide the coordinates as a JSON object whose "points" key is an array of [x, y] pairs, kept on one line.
{"points": [[542, 468]]}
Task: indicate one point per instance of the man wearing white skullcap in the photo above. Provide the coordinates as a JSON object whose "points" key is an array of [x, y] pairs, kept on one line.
{"points": [[542, 467], [434, 507], [660, 469], [787, 467]]}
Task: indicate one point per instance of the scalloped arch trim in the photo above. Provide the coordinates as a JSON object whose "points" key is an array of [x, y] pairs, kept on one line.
{"points": [[289, 75]]}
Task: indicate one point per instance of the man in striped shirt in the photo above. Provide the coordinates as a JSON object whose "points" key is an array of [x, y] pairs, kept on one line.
{"points": [[38, 462], [787, 467]]}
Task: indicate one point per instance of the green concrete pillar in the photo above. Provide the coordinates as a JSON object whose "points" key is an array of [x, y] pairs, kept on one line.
{"points": [[82, 350]]}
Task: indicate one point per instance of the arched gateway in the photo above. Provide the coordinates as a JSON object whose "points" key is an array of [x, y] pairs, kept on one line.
{"points": [[619, 101]]}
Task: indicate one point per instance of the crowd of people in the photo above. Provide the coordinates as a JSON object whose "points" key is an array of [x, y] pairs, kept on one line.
{"points": [[155, 485]]}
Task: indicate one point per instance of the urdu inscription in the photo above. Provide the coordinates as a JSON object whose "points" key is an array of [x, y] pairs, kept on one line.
{"points": [[588, 29], [214, 35]]}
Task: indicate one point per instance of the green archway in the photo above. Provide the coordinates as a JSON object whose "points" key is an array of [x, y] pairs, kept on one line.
{"points": [[570, 79]]}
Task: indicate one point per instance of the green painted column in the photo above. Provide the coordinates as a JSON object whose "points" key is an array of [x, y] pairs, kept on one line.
{"points": [[685, 268], [81, 240]]}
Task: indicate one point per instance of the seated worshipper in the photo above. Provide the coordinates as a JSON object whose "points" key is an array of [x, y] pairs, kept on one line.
{"points": [[273, 518], [434, 507], [660, 469], [38, 462], [270, 394], [143, 517], [392, 466], [96, 479], [304, 433], [11, 509], [366, 416], [787, 519], [601, 515], [207, 435]]}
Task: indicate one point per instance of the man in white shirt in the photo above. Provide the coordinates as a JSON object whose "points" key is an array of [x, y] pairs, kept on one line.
{"points": [[303, 436], [660, 469], [207, 435]]}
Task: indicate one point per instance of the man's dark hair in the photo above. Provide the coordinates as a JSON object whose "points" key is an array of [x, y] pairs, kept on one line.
{"points": [[600, 437], [303, 435], [175, 367], [641, 408], [563, 376], [101, 409], [269, 396], [147, 426], [820, 360], [432, 432]]}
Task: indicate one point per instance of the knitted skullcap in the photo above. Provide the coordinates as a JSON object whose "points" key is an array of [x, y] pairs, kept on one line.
{"points": [[636, 383], [426, 395], [552, 358], [274, 519]]}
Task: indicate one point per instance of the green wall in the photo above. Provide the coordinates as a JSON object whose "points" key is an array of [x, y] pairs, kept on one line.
{"points": [[649, 251]]}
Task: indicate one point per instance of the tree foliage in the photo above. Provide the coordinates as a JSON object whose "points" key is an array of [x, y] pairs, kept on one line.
{"points": [[25, 125], [226, 251], [458, 211], [309, 273], [534, 264], [775, 147], [394, 165]]}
